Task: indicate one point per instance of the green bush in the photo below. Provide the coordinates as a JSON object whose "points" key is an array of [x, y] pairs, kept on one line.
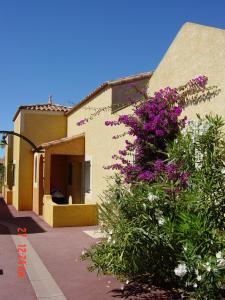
{"points": [[168, 235]]}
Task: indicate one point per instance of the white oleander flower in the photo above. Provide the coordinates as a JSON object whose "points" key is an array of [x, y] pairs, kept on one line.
{"points": [[161, 221], [198, 159], [180, 270], [219, 255], [195, 285], [185, 248], [83, 252], [204, 127], [220, 259], [152, 197], [221, 262], [110, 231], [207, 267], [199, 277], [216, 202], [188, 284]]}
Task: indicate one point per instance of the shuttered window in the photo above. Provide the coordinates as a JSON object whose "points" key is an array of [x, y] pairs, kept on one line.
{"points": [[87, 176]]}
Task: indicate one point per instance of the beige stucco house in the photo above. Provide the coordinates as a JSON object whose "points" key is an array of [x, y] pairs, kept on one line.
{"points": [[68, 157], [72, 157], [39, 123], [196, 50]]}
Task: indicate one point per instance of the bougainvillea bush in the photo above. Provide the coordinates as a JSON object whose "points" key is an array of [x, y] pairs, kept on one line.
{"points": [[163, 215]]}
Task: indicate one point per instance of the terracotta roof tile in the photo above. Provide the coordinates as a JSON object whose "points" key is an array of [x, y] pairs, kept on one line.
{"points": [[42, 107], [110, 83]]}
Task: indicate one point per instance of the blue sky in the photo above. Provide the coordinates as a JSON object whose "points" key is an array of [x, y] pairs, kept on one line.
{"points": [[68, 47]]}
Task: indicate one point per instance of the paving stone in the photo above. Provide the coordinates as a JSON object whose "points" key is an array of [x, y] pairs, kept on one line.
{"points": [[46, 288]]}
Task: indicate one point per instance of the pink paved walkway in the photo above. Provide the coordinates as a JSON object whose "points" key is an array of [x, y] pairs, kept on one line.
{"points": [[59, 249]]}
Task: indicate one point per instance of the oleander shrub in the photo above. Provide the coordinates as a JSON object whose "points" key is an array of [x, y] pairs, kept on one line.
{"points": [[163, 213]]}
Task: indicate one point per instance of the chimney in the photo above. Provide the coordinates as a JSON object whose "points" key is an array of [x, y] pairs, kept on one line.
{"points": [[50, 100]]}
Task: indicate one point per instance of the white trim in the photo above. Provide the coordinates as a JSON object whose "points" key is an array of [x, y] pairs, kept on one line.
{"points": [[35, 183]]}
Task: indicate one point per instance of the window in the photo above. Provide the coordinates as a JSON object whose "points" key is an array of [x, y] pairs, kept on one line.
{"points": [[87, 176], [122, 94], [70, 173]]}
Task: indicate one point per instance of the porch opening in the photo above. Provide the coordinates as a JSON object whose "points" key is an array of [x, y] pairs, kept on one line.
{"points": [[67, 177]]}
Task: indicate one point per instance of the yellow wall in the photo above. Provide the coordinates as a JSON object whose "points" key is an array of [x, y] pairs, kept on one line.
{"points": [[38, 184], [39, 127], [7, 186], [8, 162], [99, 146], [69, 215], [196, 50], [16, 160]]}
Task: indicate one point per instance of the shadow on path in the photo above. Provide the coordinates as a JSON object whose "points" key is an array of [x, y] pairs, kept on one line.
{"points": [[26, 221], [142, 291]]}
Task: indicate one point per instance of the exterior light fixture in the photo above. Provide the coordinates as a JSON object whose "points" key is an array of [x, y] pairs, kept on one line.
{"points": [[3, 142]]}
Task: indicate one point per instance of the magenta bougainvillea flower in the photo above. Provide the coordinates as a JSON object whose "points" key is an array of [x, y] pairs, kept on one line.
{"points": [[155, 122]]}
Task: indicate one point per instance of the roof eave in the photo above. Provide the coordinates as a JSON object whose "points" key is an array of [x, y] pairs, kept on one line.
{"points": [[104, 86], [60, 141], [24, 107], [87, 98]]}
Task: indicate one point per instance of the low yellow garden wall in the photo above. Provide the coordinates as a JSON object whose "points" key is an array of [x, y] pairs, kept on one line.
{"points": [[69, 214], [7, 194]]}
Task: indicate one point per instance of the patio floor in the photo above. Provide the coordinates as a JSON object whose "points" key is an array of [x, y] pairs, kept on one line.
{"points": [[56, 252]]}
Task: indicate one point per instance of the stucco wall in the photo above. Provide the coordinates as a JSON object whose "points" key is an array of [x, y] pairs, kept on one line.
{"points": [[196, 50], [16, 161], [99, 146], [8, 162], [38, 184], [39, 127], [69, 215]]}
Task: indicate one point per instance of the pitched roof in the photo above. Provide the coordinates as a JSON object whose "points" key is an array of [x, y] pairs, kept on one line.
{"points": [[60, 141], [42, 107], [107, 84]]}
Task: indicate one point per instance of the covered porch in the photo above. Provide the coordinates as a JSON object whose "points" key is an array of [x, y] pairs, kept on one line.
{"points": [[61, 167]]}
